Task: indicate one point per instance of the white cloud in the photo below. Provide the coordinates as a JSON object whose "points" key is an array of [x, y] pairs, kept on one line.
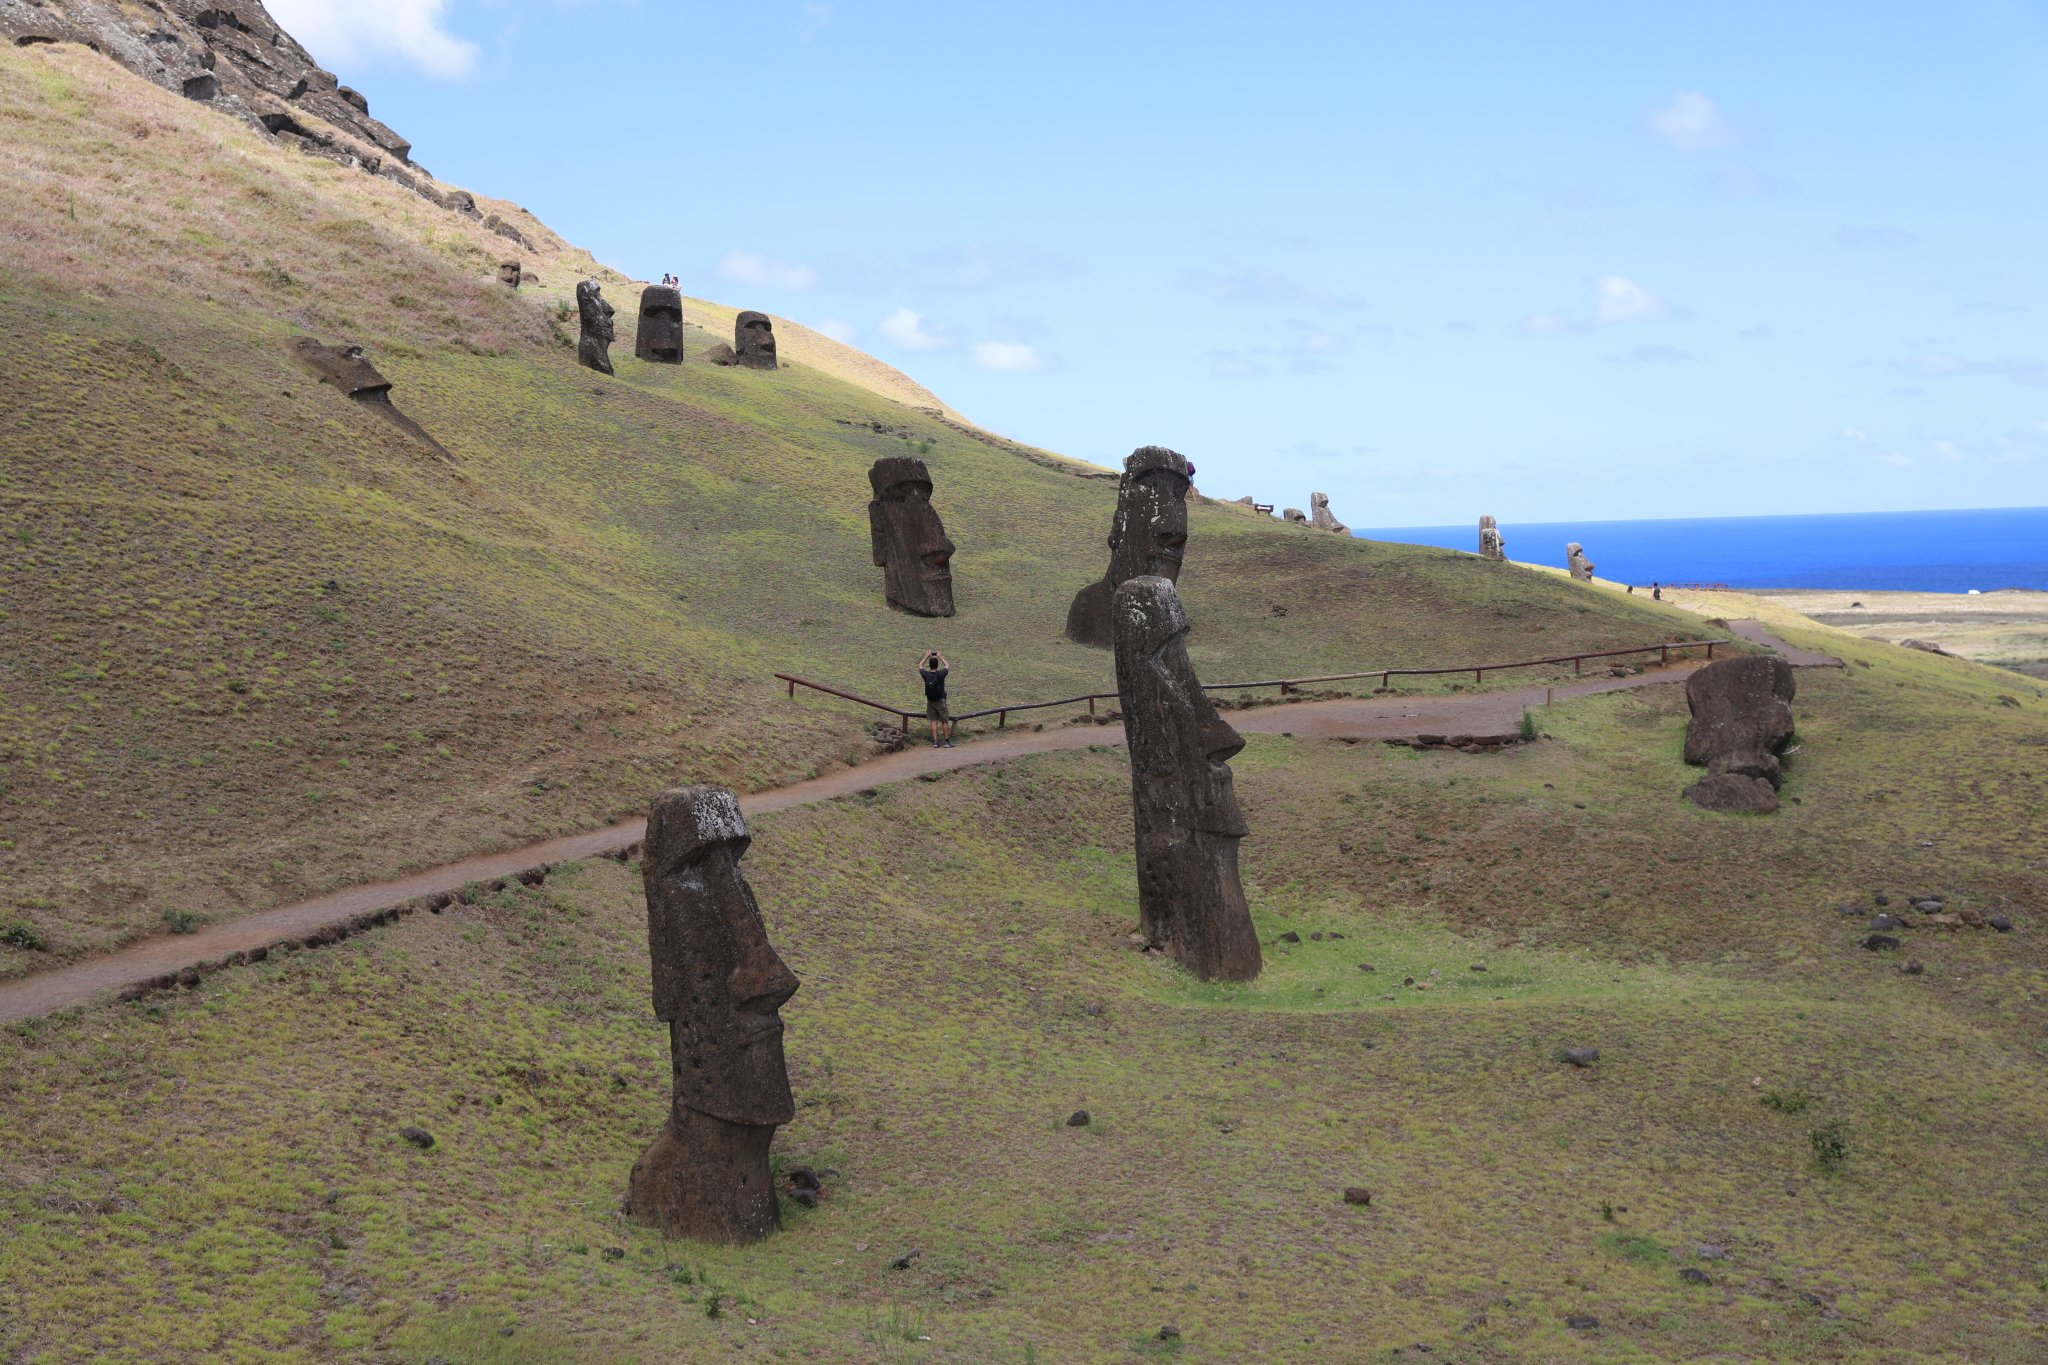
{"points": [[765, 272], [353, 32], [1948, 452], [1623, 300], [839, 329], [1228, 365], [1253, 285], [915, 332], [1893, 458], [1854, 435], [1008, 357], [1692, 123]]}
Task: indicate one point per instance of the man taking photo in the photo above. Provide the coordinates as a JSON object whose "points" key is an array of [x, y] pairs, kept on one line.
{"points": [[933, 670]]}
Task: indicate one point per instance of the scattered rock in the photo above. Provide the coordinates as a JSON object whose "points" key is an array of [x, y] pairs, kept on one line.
{"points": [[1581, 1322], [1367, 967], [2000, 923], [1707, 1251], [1169, 1333], [800, 1177], [418, 1137], [1929, 906], [1881, 898], [1479, 966], [1290, 937], [1878, 942], [1357, 1194], [1692, 1276], [1580, 1056], [1913, 966], [1092, 1011], [806, 1198], [1333, 934], [1078, 1119], [903, 1262], [1732, 794], [1971, 917], [1578, 805], [1943, 921], [1883, 923], [1407, 980], [615, 1253], [1316, 937]]}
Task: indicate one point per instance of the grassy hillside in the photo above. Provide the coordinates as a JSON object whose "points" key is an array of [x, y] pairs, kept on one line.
{"points": [[259, 643]]}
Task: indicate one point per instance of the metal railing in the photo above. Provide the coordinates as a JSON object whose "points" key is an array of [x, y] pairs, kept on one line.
{"points": [[1286, 685]]}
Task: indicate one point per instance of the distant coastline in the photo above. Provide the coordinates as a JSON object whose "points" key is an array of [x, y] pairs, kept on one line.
{"points": [[1985, 549]]}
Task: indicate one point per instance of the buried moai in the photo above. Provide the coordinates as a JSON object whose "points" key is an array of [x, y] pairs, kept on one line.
{"points": [[717, 985], [1190, 902], [1575, 559], [1148, 534], [342, 367], [594, 346], [659, 339], [1741, 721], [1491, 545], [1319, 515], [753, 342], [908, 539]]}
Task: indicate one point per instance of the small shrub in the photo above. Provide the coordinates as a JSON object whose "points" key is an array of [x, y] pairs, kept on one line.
{"points": [[181, 921], [22, 934], [1631, 1247], [1790, 1102], [1830, 1143], [1527, 729], [713, 1307]]}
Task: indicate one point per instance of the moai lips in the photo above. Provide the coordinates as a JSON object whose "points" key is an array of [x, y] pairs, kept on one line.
{"points": [[594, 345], [718, 985], [909, 540], [1148, 536], [1184, 806], [659, 340]]}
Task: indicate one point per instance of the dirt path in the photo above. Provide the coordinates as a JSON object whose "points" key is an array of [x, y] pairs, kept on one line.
{"points": [[1754, 632], [1362, 718]]}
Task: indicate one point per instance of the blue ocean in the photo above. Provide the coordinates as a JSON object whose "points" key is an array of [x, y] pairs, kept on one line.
{"points": [[1870, 551]]}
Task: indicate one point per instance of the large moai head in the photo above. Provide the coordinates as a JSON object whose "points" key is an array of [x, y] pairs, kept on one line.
{"points": [[593, 347], [1320, 515], [753, 341], [718, 985], [1150, 533], [1491, 546], [659, 340], [1183, 801], [908, 539], [1575, 560]]}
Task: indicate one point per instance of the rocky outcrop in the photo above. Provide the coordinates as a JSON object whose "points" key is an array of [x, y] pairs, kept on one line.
{"points": [[1741, 721]]}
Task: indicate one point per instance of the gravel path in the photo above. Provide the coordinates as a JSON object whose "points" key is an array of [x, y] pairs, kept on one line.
{"points": [[1359, 718], [1754, 632]]}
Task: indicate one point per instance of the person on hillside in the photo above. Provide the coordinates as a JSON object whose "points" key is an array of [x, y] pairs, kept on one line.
{"points": [[1657, 592], [933, 670]]}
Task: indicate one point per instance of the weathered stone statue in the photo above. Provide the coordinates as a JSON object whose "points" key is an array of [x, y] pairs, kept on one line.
{"points": [[1575, 558], [753, 342], [509, 273], [1148, 534], [1319, 515], [1741, 721], [909, 540], [343, 367], [1491, 545], [659, 339], [594, 349], [717, 985], [1294, 516], [1190, 903]]}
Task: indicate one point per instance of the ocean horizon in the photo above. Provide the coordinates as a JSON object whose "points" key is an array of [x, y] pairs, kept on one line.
{"points": [[1982, 549]]}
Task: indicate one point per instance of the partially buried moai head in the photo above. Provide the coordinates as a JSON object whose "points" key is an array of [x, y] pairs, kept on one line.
{"points": [[910, 538], [660, 338], [717, 980], [753, 341], [593, 312], [1151, 531]]}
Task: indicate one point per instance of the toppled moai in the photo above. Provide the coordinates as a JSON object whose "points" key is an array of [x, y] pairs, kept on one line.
{"points": [[1190, 902], [753, 342], [909, 540], [1319, 515], [1148, 534], [1575, 559], [718, 985], [594, 346], [659, 340], [1741, 721], [1491, 545], [343, 367]]}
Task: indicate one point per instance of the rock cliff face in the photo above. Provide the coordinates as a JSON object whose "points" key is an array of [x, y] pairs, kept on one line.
{"points": [[230, 54]]}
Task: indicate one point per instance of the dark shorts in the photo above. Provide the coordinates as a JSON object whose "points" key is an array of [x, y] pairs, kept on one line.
{"points": [[936, 711]]}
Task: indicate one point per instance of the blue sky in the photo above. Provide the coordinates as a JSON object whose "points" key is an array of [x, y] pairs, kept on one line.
{"points": [[1596, 260]]}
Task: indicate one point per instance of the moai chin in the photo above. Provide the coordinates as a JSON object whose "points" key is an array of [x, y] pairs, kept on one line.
{"points": [[909, 540], [1148, 534], [717, 985], [1575, 558], [593, 348], [1491, 546], [1320, 517], [659, 340], [1190, 903], [753, 342]]}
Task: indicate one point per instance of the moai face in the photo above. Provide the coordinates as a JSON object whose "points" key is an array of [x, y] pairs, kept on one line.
{"points": [[718, 982], [659, 340], [908, 538], [1183, 798], [593, 348], [753, 341], [341, 367], [1150, 534], [509, 273]]}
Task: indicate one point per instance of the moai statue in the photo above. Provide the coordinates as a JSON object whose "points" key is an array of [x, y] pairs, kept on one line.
{"points": [[660, 338], [717, 985], [342, 367], [753, 342], [594, 348], [1575, 557], [1741, 721], [1295, 516], [509, 273], [1319, 514], [1190, 903], [909, 540], [1147, 535], [1491, 546]]}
